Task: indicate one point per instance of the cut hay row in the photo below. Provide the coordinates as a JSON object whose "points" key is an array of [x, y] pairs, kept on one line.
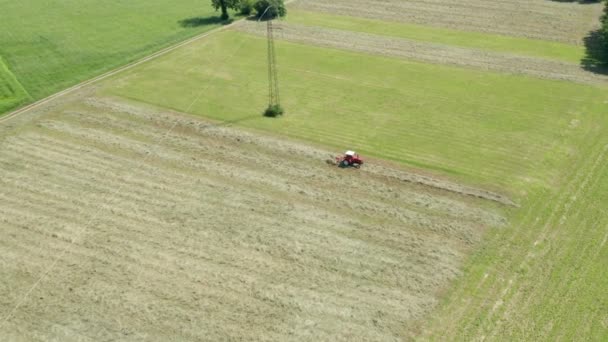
{"points": [[546, 20]]}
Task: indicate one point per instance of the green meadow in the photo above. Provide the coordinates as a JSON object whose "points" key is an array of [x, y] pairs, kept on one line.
{"points": [[48, 46], [12, 92]]}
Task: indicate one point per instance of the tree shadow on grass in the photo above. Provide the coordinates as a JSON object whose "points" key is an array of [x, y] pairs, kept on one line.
{"points": [[203, 21], [596, 58]]}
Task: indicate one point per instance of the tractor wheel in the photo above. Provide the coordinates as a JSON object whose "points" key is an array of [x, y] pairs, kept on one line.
{"points": [[344, 163]]}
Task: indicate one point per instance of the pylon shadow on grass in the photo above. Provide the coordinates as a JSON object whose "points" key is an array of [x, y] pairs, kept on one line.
{"points": [[203, 21], [231, 122]]}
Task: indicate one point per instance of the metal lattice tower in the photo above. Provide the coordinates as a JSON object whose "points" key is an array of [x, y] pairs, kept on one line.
{"points": [[273, 80]]}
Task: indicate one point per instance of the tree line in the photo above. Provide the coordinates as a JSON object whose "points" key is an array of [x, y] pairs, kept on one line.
{"points": [[267, 8]]}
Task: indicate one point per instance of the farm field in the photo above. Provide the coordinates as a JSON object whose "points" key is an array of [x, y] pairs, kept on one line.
{"points": [[48, 46], [159, 204], [216, 232]]}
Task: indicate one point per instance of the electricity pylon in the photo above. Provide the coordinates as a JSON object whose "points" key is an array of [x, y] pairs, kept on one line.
{"points": [[274, 98]]}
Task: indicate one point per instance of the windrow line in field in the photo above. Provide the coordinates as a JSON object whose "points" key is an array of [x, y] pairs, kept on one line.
{"points": [[573, 222], [430, 52], [547, 20]]}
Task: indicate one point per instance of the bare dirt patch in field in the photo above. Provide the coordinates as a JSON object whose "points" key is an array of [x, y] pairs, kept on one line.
{"points": [[540, 19], [429, 52], [215, 233]]}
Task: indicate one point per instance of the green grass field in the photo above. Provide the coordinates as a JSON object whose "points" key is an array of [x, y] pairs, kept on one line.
{"points": [[543, 142], [51, 45], [543, 278], [12, 93]]}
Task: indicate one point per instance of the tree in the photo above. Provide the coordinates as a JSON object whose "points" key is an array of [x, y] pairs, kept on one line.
{"points": [[224, 5], [270, 8], [605, 24], [603, 36]]}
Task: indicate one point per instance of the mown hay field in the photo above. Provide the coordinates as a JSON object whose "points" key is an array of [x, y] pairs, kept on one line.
{"points": [[215, 233]]}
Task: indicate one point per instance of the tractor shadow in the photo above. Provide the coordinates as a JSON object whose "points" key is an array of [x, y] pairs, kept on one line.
{"points": [[203, 21]]}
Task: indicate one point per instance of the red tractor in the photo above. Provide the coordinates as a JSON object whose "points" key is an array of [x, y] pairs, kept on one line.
{"points": [[350, 159]]}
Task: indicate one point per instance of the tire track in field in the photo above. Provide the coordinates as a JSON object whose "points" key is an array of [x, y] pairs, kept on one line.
{"points": [[518, 303], [563, 202], [458, 308], [580, 176], [569, 289], [561, 199]]}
